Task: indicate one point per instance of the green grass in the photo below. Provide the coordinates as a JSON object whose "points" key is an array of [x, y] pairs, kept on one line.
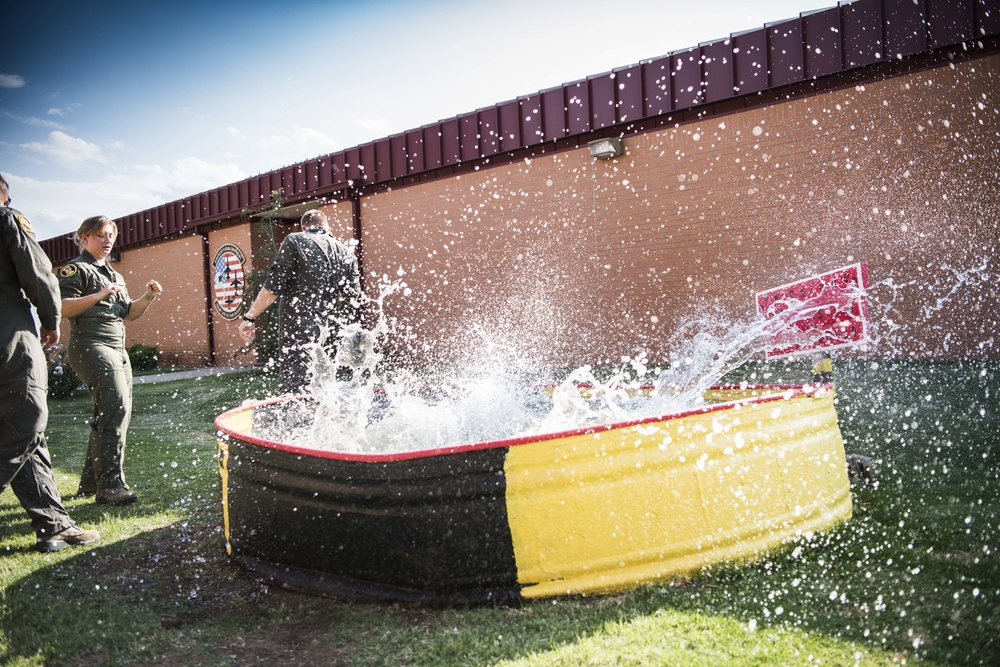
{"points": [[913, 578]]}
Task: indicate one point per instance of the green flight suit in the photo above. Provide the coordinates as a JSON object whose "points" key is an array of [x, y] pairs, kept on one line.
{"points": [[97, 354], [25, 279], [317, 280]]}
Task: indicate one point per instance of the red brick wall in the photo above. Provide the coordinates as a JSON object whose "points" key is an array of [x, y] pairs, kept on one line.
{"points": [[576, 257], [566, 259], [176, 321]]}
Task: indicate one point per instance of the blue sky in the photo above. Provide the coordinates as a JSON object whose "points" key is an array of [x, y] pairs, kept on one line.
{"points": [[115, 107]]}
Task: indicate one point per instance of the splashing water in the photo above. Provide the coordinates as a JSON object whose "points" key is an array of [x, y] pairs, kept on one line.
{"points": [[353, 409]]}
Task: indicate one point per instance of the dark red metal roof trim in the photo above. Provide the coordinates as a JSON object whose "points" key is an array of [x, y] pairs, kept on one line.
{"points": [[811, 46]]}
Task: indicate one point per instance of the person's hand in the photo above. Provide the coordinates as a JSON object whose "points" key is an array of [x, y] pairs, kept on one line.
{"points": [[109, 289], [246, 331], [153, 289], [50, 337]]}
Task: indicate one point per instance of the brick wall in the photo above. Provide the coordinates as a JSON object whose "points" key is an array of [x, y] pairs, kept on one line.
{"points": [[579, 260], [562, 259]]}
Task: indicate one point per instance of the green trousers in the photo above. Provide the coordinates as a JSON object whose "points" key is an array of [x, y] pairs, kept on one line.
{"points": [[24, 454], [107, 372]]}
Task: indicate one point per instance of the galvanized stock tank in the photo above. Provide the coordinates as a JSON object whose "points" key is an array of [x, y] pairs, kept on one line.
{"points": [[588, 511]]}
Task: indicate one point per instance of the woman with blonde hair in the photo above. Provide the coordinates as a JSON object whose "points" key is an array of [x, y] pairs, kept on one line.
{"points": [[96, 303]]}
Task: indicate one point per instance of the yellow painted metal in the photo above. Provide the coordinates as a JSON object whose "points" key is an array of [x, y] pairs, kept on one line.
{"points": [[241, 422], [600, 512]]}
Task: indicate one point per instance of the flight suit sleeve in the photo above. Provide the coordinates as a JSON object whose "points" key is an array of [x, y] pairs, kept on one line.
{"points": [[71, 281], [34, 270]]}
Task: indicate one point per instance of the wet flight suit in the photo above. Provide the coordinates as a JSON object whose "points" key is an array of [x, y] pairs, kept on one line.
{"points": [[97, 354], [26, 276], [316, 278]]}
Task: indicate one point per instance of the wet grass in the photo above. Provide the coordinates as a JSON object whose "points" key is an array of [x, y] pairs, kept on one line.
{"points": [[914, 577]]}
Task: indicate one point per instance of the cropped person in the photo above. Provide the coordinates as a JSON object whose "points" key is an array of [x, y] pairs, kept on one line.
{"points": [[25, 279], [317, 279], [96, 303]]}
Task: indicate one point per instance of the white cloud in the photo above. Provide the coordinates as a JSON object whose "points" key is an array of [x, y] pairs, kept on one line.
{"points": [[63, 111], [302, 144], [66, 151], [183, 178], [54, 207], [379, 127], [235, 133], [11, 80], [30, 120]]}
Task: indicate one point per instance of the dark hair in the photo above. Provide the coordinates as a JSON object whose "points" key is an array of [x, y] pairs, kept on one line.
{"points": [[91, 225]]}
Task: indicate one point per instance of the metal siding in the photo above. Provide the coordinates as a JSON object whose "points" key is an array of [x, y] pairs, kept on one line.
{"points": [[685, 67], [602, 101], [489, 131], [531, 120], [287, 182], [253, 187], [451, 145], [170, 220], [950, 21], [509, 116], [785, 52], [368, 166], [717, 65], [862, 21], [750, 53], [905, 28], [338, 168], [397, 155], [325, 173], [352, 164], [126, 232], [383, 160], [468, 126], [659, 99], [822, 35], [415, 152], [553, 114], [987, 18], [432, 146], [629, 84], [577, 108]]}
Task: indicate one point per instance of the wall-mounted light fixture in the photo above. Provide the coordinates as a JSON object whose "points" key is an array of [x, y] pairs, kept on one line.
{"points": [[114, 257], [603, 149]]}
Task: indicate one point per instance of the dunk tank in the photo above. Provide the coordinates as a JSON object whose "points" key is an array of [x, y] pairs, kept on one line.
{"points": [[589, 510]]}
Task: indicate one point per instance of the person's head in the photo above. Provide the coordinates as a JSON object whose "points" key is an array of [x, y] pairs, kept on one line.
{"points": [[4, 192], [97, 235], [314, 218]]}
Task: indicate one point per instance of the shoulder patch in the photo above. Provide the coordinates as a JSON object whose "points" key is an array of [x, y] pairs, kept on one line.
{"points": [[25, 224], [68, 271]]}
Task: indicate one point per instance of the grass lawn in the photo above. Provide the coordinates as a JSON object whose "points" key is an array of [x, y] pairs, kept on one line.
{"points": [[914, 578]]}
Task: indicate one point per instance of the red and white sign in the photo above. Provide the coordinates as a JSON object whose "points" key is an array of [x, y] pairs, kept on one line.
{"points": [[229, 281], [822, 312]]}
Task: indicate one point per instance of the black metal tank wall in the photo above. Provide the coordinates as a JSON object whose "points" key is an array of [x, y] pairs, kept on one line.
{"points": [[426, 530]]}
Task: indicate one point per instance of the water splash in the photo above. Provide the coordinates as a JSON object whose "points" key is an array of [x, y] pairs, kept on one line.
{"points": [[357, 407]]}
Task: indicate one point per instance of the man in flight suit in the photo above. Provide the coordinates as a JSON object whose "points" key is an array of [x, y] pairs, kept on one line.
{"points": [[317, 278], [26, 278]]}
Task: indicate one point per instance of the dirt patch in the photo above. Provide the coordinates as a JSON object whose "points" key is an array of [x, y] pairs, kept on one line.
{"points": [[183, 574]]}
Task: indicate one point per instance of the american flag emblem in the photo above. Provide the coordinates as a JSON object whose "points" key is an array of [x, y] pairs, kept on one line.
{"points": [[229, 281]]}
